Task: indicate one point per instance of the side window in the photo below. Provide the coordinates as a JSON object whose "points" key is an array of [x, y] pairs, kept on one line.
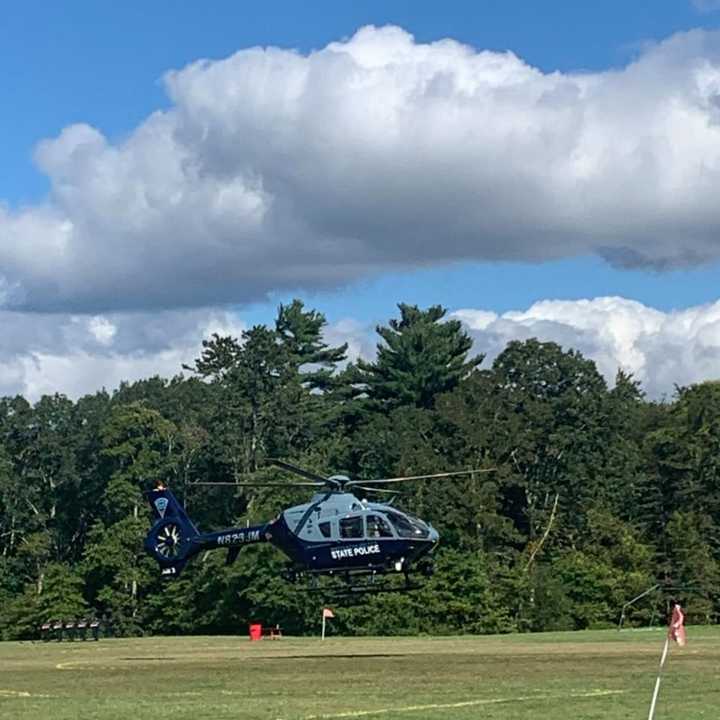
{"points": [[325, 529], [351, 528], [377, 527]]}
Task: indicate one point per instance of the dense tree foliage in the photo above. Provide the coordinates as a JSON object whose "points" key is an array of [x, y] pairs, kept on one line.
{"points": [[419, 358], [591, 495]]}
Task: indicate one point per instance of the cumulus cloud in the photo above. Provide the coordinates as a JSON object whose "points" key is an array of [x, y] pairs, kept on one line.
{"points": [[274, 170], [661, 349], [79, 354], [357, 335], [43, 354]]}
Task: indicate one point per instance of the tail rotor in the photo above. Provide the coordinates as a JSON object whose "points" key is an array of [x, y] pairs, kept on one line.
{"points": [[171, 540], [168, 541]]}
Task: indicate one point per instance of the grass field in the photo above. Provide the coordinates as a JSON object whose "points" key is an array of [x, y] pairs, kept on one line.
{"points": [[566, 676]]}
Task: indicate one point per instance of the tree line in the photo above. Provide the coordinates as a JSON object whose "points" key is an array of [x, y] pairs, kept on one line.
{"points": [[595, 494]]}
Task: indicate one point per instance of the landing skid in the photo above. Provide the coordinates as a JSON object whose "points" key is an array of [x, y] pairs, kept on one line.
{"points": [[340, 587], [358, 582]]}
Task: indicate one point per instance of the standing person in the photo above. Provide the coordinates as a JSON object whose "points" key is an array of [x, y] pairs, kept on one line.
{"points": [[676, 631]]}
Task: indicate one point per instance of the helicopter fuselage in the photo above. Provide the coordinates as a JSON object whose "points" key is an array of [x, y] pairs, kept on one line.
{"points": [[334, 533]]}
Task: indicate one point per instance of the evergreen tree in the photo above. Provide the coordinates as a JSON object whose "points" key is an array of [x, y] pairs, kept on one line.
{"points": [[300, 332], [137, 441], [420, 357], [594, 494], [693, 567]]}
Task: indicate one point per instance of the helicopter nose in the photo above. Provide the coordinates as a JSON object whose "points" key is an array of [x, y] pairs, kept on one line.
{"points": [[434, 535]]}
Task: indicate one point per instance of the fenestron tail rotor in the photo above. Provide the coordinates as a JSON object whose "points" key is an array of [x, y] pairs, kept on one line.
{"points": [[167, 541]]}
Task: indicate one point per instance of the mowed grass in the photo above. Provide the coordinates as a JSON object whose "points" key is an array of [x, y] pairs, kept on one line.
{"points": [[566, 676]]}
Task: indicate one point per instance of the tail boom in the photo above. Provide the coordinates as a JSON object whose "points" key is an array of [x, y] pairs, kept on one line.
{"points": [[173, 539]]}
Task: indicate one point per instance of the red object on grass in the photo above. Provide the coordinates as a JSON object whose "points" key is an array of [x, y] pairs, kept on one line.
{"points": [[255, 631], [328, 613]]}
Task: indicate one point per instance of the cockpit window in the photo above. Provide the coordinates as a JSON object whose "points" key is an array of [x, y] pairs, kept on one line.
{"points": [[377, 527], [407, 527], [325, 529], [351, 528]]}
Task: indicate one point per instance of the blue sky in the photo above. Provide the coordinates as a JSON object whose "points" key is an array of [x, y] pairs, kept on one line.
{"points": [[503, 287], [101, 62], [89, 75]]}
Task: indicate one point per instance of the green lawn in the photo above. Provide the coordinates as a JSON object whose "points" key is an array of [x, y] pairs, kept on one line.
{"points": [[565, 676]]}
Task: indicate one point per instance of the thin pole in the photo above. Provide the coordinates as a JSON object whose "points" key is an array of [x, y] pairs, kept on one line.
{"points": [[323, 630], [634, 600], [657, 682]]}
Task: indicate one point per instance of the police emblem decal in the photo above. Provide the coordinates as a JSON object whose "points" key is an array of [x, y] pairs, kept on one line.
{"points": [[161, 506]]}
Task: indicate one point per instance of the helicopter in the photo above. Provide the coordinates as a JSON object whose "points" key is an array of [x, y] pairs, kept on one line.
{"points": [[335, 534]]}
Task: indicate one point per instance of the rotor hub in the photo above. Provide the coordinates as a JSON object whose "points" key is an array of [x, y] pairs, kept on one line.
{"points": [[338, 481]]}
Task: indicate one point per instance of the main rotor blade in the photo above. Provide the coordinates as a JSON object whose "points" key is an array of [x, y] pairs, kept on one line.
{"points": [[380, 490], [420, 477], [263, 484], [298, 470]]}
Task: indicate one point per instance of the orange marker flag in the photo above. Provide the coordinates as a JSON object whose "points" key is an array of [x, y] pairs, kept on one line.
{"points": [[327, 613], [676, 632]]}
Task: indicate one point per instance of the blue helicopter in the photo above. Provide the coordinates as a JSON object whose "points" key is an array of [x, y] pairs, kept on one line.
{"points": [[335, 534]]}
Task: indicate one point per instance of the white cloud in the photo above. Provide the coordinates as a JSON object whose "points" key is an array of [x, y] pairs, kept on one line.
{"points": [[75, 355], [660, 349], [274, 170], [102, 329], [357, 335]]}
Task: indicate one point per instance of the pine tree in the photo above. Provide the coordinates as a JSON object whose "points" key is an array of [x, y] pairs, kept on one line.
{"points": [[421, 357], [300, 332]]}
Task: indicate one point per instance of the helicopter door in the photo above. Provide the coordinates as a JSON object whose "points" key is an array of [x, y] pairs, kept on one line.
{"points": [[352, 528]]}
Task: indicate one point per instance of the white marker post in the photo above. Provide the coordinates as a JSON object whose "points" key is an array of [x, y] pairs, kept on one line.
{"points": [[657, 682]]}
